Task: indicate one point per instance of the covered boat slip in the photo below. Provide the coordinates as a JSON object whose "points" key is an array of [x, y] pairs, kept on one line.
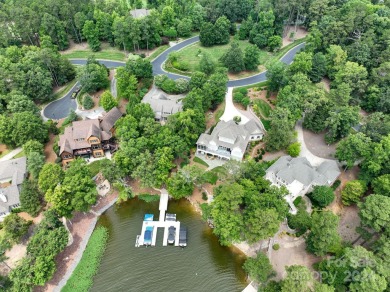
{"points": [[149, 224]]}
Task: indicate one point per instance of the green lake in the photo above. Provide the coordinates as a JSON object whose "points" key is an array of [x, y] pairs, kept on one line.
{"points": [[202, 266]]}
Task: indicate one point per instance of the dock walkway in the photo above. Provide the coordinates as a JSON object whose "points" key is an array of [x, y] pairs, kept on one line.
{"points": [[161, 223]]}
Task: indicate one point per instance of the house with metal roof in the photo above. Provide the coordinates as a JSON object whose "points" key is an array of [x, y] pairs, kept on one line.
{"points": [[12, 174], [299, 176], [229, 140], [88, 137]]}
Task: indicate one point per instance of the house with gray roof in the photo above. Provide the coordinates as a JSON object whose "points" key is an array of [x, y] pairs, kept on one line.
{"points": [[299, 176], [229, 140], [12, 174], [162, 104], [139, 13]]}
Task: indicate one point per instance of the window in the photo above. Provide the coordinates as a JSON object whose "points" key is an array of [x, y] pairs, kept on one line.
{"points": [[98, 154], [67, 156], [95, 147], [94, 141]]}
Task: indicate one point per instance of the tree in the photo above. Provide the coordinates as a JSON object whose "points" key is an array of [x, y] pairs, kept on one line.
{"points": [[91, 33], [324, 236], [167, 16], [35, 162], [15, 227], [179, 186], [274, 43], [298, 279], [335, 60], [206, 65], [93, 77], [21, 103], [140, 68], [88, 102], [340, 122], [259, 268], [318, 69], [280, 134], [22, 127], [376, 126], [233, 59], [369, 280], [126, 84], [198, 79], [50, 176], [110, 170], [353, 148], [354, 75], [32, 146], [221, 31], [353, 191], [375, 212], [302, 63], [322, 196], [276, 76], [381, 185], [226, 208], [107, 101], [294, 149], [184, 27], [206, 34], [251, 58], [30, 198], [261, 224], [162, 165]]}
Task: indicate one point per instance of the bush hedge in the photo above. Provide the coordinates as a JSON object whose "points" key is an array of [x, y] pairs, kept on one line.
{"points": [[81, 279]]}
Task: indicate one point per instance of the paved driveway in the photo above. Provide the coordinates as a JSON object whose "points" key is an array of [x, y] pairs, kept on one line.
{"points": [[60, 108]]}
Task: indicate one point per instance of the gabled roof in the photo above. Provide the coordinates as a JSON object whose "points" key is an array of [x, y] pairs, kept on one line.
{"points": [[289, 169], [109, 119], [14, 169]]}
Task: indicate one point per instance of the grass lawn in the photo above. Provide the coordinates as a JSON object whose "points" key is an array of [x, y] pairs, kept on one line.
{"points": [[82, 276], [219, 171], [266, 124], [106, 52], [94, 167], [200, 161], [263, 107], [5, 152], [20, 154], [64, 89], [192, 54], [157, 52]]}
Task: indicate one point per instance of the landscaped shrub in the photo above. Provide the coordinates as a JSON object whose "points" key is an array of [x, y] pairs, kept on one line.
{"points": [[181, 65], [169, 86], [81, 279], [237, 97], [243, 91], [204, 196], [294, 149], [276, 246], [88, 102], [353, 191], [321, 196], [336, 184], [245, 101], [182, 85]]}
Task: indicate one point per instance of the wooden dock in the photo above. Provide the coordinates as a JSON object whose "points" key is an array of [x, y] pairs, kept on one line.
{"points": [[161, 223]]}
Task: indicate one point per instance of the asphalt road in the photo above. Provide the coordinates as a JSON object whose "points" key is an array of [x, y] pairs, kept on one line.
{"points": [[60, 108]]}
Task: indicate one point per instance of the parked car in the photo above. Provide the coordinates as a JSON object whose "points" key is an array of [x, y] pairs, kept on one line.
{"points": [[76, 91]]}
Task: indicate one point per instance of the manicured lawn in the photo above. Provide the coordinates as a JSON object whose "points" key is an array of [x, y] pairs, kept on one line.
{"points": [[193, 53], [200, 161], [109, 55], [20, 154], [65, 89], [94, 167], [263, 107], [260, 84], [82, 276], [157, 52], [266, 124]]}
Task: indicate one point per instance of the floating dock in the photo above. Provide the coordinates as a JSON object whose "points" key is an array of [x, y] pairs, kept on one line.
{"points": [[149, 224]]}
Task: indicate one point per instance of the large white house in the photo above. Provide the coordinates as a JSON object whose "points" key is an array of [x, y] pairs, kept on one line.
{"points": [[12, 174], [299, 176], [229, 140]]}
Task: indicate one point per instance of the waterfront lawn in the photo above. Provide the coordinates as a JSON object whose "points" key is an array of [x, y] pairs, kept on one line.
{"points": [[82, 276], [192, 54]]}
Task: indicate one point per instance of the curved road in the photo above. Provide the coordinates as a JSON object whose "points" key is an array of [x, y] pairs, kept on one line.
{"points": [[60, 108]]}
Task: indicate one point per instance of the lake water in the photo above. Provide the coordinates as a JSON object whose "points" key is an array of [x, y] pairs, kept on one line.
{"points": [[202, 266]]}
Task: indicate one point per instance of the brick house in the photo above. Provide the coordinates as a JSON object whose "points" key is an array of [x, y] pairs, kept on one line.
{"points": [[89, 137]]}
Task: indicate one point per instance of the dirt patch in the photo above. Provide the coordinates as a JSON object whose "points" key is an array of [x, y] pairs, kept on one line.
{"points": [[300, 33], [211, 117], [325, 82], [75, 47], [50, 155], [348, 222], [15, 254], [351, 174], [268, 156], [288, 256], [316, 144], [28, 217], [138, 189]]}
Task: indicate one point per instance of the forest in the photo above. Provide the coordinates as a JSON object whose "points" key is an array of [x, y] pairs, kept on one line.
{"points": [[347, 46]]}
